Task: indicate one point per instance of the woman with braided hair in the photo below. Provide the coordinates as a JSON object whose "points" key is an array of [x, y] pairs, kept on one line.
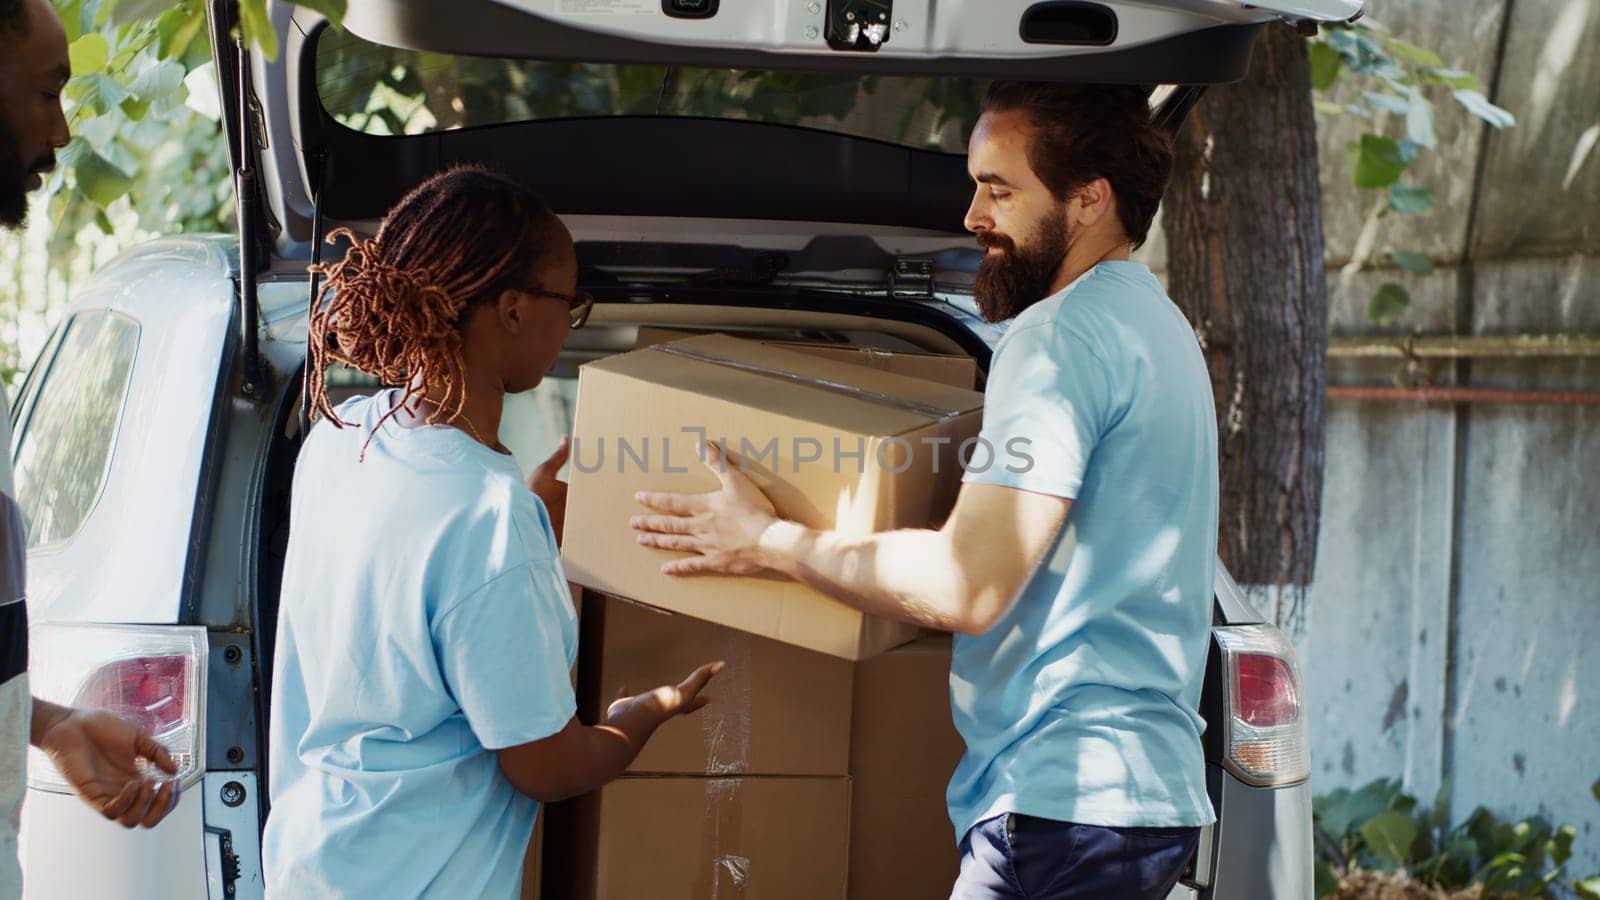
{"points": [[421, 705]]}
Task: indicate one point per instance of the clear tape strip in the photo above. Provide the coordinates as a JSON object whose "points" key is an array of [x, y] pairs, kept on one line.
{"points": [[720, 864], [848, 390]]}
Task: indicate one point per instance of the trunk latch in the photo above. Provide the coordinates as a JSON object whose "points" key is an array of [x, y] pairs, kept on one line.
{"points": [[912, 276]]}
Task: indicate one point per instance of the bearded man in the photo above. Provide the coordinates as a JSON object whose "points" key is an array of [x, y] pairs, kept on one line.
{"points": [[1079, 583]]}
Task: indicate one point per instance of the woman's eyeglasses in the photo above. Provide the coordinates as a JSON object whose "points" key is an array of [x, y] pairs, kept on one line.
{"points": [[579, 304]]}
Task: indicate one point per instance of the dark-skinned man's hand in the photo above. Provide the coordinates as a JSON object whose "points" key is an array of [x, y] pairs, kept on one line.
{"points": [[99, 755]]}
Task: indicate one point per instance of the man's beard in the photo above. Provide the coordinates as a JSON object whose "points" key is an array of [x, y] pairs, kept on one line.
{"points": [[13, 179], [14, 174], [1019, 277]]}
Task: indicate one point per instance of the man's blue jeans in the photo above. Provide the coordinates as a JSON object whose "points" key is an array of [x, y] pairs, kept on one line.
{"points": [[1016, 857]]}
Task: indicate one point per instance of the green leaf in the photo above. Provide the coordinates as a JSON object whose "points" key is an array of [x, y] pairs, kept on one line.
{"points": [[104, 222], [1388, 102], [1441, 800], [100, 180], [1420, 264], [158, 81], [1411, 199], [126, 12], [176, 31], [332, 10], [1389, 834], [1419, 121], [258, 31], [1376, 162], [1479, 105], [71, 13], [89, 54], [1326, 108], [135, 109], [98, 93], [1325, 65], [1561, 845], [1595, 790], [73, 152], [1449, 77], [1417, 56], [1588, 889], [1385, 308]]}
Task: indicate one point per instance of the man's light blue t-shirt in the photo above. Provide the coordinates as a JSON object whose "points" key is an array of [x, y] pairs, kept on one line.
{"points": [[424, 623], [1081, 704]]}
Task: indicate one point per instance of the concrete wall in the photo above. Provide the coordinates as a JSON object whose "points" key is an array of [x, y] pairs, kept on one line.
{"points": [[1458, 582]]}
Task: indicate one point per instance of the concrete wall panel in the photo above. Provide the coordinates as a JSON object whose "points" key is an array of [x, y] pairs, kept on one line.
{"points": [[1543, 176]]}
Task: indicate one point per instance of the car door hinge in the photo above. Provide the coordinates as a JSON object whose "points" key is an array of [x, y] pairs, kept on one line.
{"points": [[911, 276]]}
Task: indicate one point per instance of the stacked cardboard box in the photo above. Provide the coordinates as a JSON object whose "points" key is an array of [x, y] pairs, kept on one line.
{"points": [[903, 748], [749, 797], [834, 446], [818, 769]]}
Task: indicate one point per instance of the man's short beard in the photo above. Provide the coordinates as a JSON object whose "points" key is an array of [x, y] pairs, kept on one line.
{"points": [[13, 179], [1022, 275]]}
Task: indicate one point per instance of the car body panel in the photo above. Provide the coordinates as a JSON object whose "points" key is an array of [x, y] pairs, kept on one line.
{"points": [[129, 561], [1266, 851], [69, 852], [921, 29]]}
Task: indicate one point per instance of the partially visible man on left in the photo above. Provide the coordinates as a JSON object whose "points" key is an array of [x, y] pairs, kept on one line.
{"points": [[98, 753]]}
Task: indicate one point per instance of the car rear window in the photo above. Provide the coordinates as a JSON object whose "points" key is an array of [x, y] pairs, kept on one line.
{"points": [[64, 448], [384, 91]]}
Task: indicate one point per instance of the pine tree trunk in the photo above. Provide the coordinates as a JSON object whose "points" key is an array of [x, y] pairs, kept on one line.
{"points": [[1243, 220]]}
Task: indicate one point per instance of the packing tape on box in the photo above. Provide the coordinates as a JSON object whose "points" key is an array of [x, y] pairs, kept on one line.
{"points": [[727, 728], [722, 873], [848, 390]]}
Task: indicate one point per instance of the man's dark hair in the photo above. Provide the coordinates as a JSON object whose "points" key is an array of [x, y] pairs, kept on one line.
{"points": [[1082, 132]]}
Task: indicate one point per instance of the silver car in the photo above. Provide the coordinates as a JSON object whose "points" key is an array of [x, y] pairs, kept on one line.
{"points": [[779, 166]]}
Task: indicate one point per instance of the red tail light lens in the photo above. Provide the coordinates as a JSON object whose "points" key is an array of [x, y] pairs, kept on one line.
{"points": [[1266, 737], [1266, 694], [148, 690], [151, 675]]}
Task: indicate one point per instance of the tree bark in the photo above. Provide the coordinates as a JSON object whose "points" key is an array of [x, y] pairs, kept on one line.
{"points": [[1243, 220]]}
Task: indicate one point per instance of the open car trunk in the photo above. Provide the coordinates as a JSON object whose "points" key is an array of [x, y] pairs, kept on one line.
{"points": [[306, 156]]}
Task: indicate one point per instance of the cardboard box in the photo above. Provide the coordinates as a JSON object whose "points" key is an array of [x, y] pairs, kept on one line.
{"points": [[903, 750], [704, 838], [834, 446], [951, 369], [775, 709]]}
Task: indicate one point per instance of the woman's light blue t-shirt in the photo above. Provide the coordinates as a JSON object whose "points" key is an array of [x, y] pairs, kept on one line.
{"points": [[424, 623], [1081, 704]]}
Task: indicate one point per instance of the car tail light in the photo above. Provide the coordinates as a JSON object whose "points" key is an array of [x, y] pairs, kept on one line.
{"points": [[151, 675], [1266, 738]]}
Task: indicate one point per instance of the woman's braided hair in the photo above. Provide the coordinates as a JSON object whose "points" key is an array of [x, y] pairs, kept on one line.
{"points": [[393, 307]]}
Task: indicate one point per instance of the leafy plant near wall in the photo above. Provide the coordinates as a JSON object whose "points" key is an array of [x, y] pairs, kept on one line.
{"points": [[1394, 84], [137, 144], [1380, 829]]}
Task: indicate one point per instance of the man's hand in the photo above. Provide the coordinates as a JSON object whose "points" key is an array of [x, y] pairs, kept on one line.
{"points": [[723, 528], [554, 493], [666, 701], [99, 754]]}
